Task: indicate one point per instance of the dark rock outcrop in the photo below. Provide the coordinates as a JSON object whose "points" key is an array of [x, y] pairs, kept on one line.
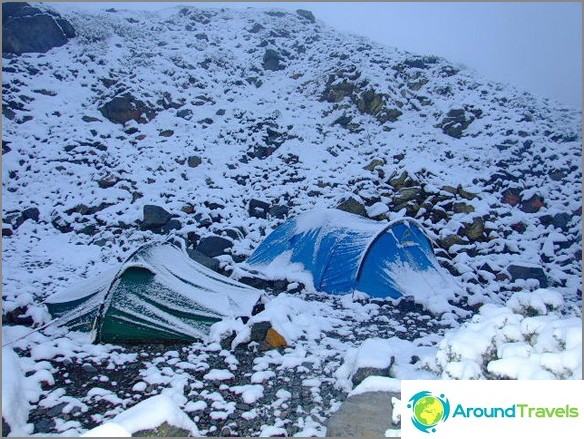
{"points": [[212, 246], [28, 29], [125, 108], [154, 217], [528, 272], [273, 60]]}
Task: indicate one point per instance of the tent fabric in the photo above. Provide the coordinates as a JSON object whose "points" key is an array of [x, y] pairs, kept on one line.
{"points": [[159, 294], [346, 252]]}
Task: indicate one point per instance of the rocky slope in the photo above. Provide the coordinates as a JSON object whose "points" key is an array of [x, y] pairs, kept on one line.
{"points": [[215, 125]]}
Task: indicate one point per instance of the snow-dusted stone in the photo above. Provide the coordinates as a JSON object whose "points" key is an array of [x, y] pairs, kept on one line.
{"points": [[273, 60], [123, 109], [533, 204], [307, 15], [214, 246], [374, 357], [526, 271], [28, 29], [155, 216], [258, 208], [353, 206]]}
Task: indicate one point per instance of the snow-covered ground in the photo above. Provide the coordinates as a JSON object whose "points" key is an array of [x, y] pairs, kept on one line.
{"points": [[307, 135]]}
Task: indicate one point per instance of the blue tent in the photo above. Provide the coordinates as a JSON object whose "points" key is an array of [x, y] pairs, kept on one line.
{"points": [[346, 252]]}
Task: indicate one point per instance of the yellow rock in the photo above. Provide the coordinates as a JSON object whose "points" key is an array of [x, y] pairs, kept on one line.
{"points": [[274, 339]]}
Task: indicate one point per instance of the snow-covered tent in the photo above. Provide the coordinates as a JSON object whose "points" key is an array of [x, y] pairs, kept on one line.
{"points": [[345, 252], [159, 294]]}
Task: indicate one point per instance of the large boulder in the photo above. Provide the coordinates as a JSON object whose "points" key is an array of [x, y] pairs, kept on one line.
{"points": [[122, 109], [363, 415], [273, 60], [528, 271], [213, 246], [154, 217], [28, 29]]}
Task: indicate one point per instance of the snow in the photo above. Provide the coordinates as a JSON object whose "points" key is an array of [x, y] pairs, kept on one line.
{"points": [[509, 342], [519, 331], [109, 429], [146, 415], [377, 384], [15, 408], [218, 375]]}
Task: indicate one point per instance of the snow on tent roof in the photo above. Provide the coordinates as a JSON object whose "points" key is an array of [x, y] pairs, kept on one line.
{"points": [[159, 294], [345, 252]]}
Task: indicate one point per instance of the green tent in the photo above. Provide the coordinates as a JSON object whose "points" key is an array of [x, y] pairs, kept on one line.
{"points": [[159, 294]]}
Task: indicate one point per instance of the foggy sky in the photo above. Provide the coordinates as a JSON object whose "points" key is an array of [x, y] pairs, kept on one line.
{"points": [[535, 46]]}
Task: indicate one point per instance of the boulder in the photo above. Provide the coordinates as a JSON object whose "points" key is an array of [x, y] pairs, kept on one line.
{"points": [[213, 246], [528, 272], [267, 337], [122, 109], [273, 60], [474, 231], [455, 122], [511, 196], [533, 204], [154, 217], [353, 206], [206, 261], [366, 414], [194, 161], [258, 209], [307, 15], [279, 212], [28, 29]]}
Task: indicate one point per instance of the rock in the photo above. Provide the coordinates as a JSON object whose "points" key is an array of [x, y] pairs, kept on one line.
{"points": [[18, 316], [194, 161], [362, 415], [259, 331], [274, 340], [213, 246], [44, 426], [272, 61], [462, 208], [185, 113], [375, 163], [31, 213], [511, 196], [125, 108], [455, 122], [256, 28], [154, 217], [528, 272], [258, 209], [173, 224], [5, 428], [364, 372], [29, 29], [353, 206], [212, 264], [306, 14], [474, 231], [5, 147], [163, 430], [166, 133], [533, 205], [408, 194], [279, 212]]}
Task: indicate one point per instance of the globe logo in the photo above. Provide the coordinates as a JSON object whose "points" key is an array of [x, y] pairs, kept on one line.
{"points": [[428, 410]]}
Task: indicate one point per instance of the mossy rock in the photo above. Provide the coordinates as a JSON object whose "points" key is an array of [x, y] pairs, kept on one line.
{"points": [[163, 430]]}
